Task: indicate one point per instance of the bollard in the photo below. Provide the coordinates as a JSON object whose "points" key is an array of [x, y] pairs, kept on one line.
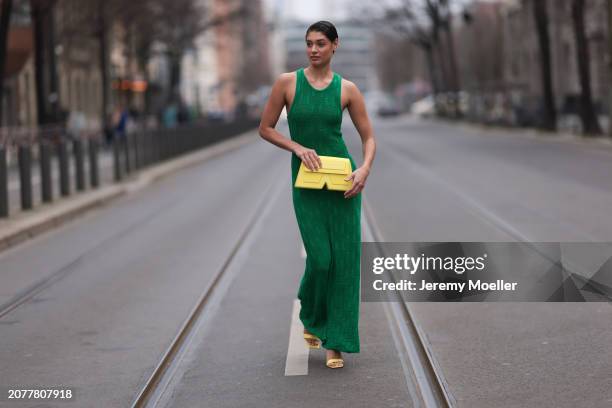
{"points": [[143, 148], [79, 164], [24, 157], [171, 138], [92, 147], [4, 203], [153, 146], [116, 159], [157, 145], [63, 161], [46, 186], [136, 142], [163, 146], [184, 141], [148, 147], [125, 146]]}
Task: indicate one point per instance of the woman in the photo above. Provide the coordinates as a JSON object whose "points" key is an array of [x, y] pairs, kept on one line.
{"points": [[329, 221]]}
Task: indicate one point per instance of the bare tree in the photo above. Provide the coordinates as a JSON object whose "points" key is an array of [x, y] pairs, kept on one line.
{"points": [[397, 60], [5, 19], [402, 21], [178, 24], [93, 19], [447, 26], [610, 66], [424, 22], [541, 22], [482, 66], [45, 68], [590, 124]]}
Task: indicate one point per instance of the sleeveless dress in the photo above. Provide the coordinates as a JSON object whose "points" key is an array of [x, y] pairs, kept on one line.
{"points": [[329, 224]]}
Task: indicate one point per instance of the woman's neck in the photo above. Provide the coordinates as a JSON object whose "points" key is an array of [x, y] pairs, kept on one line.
{"points": [[319, 73]]}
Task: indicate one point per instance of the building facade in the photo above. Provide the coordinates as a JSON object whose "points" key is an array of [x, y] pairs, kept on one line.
{"points": [[522, 55]]}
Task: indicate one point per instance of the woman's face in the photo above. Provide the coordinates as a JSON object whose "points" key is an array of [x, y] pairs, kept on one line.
{"points": [[318, 48]]}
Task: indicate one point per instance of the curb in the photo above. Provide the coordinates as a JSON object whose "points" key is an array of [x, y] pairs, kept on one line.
{"points": [[29, 224]]}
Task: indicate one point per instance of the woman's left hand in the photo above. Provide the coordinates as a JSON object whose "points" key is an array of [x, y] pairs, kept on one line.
{"points": [[359, 177]]}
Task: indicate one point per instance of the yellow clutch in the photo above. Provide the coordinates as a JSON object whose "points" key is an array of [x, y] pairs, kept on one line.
{"points": [[333, 172]]}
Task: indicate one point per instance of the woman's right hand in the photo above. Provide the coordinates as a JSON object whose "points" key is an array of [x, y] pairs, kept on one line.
{"points": [[309, 157]]}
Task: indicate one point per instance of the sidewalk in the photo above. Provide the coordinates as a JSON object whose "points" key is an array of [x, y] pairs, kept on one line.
{"points": [[28, 224], [603, 143]]}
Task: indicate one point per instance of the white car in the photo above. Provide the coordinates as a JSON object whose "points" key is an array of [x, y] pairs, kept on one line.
{"points": [[423, 107]]}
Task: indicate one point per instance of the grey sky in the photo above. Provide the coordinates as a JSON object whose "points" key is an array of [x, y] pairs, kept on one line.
{"points": [[311, 9]]}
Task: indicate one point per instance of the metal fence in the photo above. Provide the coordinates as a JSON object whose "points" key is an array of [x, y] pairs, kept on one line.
{"points": [[35, 161]]}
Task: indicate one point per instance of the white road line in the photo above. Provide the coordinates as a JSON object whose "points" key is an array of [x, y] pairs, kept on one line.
{"points": [[297, 353], [303, 251]]}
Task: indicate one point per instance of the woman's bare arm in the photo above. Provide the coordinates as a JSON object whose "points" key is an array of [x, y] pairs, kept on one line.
{"points": [[359, 116], [269, 119]]}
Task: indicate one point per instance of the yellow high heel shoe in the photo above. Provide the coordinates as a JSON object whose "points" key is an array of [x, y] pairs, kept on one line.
{"points": [[312, 341], [335, 363]]}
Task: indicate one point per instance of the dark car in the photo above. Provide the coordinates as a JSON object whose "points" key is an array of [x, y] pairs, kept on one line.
{"points": [[387, 110]]}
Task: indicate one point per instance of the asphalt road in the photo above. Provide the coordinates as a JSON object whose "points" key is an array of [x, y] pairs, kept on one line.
{"points": [[132, 271]]}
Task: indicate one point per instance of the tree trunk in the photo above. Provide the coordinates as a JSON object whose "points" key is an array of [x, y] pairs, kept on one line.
{"points": [[454, 74], [5, 19], [103, 57], [541, 22], [37, 15], [129, 61], [443, 82], [54, 111], [590, 124], [432, 69], [175, 77], [610, 67]]}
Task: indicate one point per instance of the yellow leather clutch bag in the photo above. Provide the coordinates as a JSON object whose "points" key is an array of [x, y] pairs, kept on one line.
{"points": [[332, 173]]}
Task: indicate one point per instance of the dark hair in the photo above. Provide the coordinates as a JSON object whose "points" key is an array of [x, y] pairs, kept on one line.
{"points": [[325, 27]]}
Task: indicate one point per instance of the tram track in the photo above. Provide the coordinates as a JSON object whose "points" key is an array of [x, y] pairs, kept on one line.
{"points": [[154, 389], [41, 284], [424, 375], [498, 222]]}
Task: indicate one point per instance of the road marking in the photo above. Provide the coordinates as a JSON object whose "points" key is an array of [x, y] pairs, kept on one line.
{"points": [[303, 251], [297, 353]]}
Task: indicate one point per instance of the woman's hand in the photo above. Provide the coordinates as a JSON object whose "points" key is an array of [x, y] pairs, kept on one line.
{"points": [[309, 157], [359, 177]]}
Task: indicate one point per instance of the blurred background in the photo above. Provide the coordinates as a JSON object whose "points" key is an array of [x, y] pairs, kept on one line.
{"points": [[509, 62]]}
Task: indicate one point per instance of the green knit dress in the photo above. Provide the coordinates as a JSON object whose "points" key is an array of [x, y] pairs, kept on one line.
{"points": [[329, 224]]}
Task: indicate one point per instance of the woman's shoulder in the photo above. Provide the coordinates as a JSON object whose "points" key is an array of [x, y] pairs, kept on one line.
{"points": [[286, 78], [349, 86]]}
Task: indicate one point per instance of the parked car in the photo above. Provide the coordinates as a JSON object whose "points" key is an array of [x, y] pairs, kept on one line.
{"points": [[387, 109], [386, 105], [424, 107]]}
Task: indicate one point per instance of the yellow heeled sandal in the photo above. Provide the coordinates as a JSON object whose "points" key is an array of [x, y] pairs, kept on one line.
{"points": [[335, 363], [312, 341]]}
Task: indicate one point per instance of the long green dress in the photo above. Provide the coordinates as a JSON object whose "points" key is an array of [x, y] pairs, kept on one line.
{"points": [[329, 224]]}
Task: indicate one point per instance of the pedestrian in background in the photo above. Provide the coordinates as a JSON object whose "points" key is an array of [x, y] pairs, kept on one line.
{"points": [[120, 119]]}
